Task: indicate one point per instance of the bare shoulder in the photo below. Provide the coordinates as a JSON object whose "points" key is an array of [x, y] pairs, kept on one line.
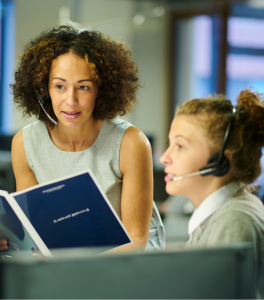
{"points": [[24, 176], [135, 149], [19, 158], [17, 142], [135, 138], [18, 151]]}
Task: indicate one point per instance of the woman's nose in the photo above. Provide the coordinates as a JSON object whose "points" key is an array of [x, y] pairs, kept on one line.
{"points": [[72, 97], [165, 159]]}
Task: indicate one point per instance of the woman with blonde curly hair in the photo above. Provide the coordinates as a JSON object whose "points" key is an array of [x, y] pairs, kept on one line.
{"points": [[76, 84], [213, 157]]}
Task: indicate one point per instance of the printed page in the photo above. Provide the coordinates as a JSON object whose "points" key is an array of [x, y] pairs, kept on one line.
{"points": [[13, 231], [26, 224]]}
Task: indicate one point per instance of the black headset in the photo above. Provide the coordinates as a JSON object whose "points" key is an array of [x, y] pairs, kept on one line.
{"points": [[218, 162]]}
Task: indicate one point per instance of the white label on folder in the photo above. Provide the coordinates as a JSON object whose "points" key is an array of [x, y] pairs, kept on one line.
{"points": [[54, 189], [72, 215]]}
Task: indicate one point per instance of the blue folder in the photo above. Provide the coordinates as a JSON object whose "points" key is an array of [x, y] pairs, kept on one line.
{"points": [[70, 212]]}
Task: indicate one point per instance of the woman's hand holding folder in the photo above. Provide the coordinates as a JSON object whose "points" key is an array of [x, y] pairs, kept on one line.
{"points": [[4, 240], [3, 244]]}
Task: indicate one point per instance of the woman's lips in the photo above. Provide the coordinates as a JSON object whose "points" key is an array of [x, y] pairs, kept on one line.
{"points": [[169, 177], [71, 115]]}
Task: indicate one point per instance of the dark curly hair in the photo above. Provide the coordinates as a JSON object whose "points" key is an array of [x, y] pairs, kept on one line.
{"points": [[110, 64], [247, 134]]}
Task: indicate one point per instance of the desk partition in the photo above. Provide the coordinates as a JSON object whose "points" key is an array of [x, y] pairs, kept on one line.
{"points": [[222, 273]]}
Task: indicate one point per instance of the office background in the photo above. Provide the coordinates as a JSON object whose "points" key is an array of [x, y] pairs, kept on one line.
{"points": [[184, 49]]}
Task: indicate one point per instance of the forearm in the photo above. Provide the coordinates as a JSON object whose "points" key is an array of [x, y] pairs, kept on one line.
{"points": [[139, 244]]}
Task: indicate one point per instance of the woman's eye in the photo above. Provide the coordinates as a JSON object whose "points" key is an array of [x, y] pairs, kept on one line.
{"points": [[179, 146], [59, 86], [84, 88]]}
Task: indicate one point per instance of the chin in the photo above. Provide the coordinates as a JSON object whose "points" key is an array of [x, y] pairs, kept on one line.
{"points": [[173, 188], [70, 123]]}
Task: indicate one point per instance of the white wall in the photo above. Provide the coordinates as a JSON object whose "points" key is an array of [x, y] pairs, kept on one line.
{"points": [[150, 52], [114, 18], [32, 17]]}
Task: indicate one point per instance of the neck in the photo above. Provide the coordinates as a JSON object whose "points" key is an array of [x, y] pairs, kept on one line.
{"points": [[198, 195], [79, 138]]}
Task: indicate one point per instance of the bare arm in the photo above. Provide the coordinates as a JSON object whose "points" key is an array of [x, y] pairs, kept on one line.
{"points": [[25, 177], [137, 191]]}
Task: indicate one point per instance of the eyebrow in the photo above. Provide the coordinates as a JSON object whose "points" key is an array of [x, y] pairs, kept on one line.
{"points": [[79, 81], [180, 136]]}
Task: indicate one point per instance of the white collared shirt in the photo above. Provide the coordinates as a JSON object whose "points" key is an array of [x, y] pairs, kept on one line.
{"points": [[210, 205]]}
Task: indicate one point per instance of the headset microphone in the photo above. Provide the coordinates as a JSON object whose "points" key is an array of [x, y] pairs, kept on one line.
{"points": [[218, 164], [193, 174], [41, 104]]}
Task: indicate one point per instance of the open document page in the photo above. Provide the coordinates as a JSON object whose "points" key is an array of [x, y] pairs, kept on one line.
{"points": [[12, 230], [70, 212]]}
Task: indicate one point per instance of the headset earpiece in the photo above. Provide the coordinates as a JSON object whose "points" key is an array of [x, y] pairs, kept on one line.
{"points": [[220, 168], [218, 162]]}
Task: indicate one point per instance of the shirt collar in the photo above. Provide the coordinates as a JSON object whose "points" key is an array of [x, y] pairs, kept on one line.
{"points": [[211, 204]]}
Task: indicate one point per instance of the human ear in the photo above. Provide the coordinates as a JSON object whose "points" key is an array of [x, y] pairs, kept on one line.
{"points": [[229, 155]]}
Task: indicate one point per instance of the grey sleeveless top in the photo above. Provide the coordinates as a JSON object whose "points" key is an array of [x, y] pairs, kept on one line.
{"points": [[102, 158]]}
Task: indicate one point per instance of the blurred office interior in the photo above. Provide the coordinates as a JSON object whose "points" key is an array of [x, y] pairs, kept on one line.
{"points": [[184, 49]]}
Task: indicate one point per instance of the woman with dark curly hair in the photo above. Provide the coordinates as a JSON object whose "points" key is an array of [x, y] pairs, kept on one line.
{"points": [[76, 84]]}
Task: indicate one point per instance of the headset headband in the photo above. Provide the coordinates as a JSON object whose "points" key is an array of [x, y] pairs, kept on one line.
{"points": [[221, 156]]}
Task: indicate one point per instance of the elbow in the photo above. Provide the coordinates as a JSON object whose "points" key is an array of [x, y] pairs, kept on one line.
{"points": [[140, 241]]}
